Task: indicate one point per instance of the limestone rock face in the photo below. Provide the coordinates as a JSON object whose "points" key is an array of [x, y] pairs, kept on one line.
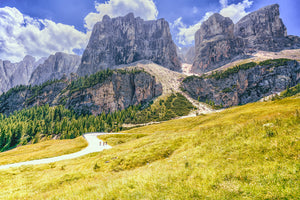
{"points": [[245, 86], [186, 54], [264, 30], [216, 27], [55, 67], [262, 23], [219, 41], [13, 74], [117, 92], [215, 44], [6, 70], [124, 40]]}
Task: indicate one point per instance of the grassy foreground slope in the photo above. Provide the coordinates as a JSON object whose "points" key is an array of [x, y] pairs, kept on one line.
{"points": [[45, 149], [246, 152]]}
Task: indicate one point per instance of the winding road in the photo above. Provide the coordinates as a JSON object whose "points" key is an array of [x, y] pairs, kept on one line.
{"points": [[93, 146]]}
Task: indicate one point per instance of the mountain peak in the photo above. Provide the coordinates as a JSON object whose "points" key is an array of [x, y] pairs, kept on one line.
{"points": [[124, 40], [215, 26], [262, 23]]}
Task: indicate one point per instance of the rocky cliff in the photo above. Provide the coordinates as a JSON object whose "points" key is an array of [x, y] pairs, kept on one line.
{"points": [[264, 30], [219, 41], [262, 23], [245, 83], [55, 67], [215, 44], [13, 74], [186, 54], [127, 39], [105, 91], [118, 92]]}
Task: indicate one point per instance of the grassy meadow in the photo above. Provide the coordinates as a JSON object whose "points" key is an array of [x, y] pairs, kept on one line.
{"points": [[245, 152], [45, 149]]}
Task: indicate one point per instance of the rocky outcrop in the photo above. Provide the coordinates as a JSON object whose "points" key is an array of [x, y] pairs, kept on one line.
{"points": [[186, 54], [26, 97], [6, 70], [55, 67], [127, 39], [118, 91], [219, 41], [13, 74], [264, 30], [262, 23], [215, 44], [244, 85]]}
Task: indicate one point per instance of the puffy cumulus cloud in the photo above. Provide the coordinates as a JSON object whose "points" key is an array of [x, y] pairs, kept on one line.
{"points": [[235, 11], [21, 35], [145, 9], [186, 34], [223, 3]]}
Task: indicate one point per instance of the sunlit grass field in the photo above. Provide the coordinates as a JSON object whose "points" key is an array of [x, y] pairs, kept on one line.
{"points": [[246, 152], [46, 149]]}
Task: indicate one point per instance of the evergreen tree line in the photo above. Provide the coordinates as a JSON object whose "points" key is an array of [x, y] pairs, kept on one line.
{"points": [[31, 125], [44, 122], [290, 91]]}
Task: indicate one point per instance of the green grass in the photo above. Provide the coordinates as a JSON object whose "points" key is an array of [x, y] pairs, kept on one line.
{"points": [[246, 152], [235, 69], [116, 139], [288, 92], [275, 62], [172, 106], [30, 125], [45, 149]]}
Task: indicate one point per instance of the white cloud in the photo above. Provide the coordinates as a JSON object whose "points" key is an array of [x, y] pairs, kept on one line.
{"points": [[224, 3], [195, 10], [185, 34], [236, 11], [21, 35], [145, 9]]}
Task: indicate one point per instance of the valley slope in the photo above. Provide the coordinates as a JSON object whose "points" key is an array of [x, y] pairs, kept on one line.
{"points": [[221, 155]]}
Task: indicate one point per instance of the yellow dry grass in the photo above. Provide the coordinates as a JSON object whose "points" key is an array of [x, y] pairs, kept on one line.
{"points": [[246, 152], [41, 150]]}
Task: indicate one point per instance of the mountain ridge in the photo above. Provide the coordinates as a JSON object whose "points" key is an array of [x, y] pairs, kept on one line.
{"points": [[124, 40], [219, 41]]}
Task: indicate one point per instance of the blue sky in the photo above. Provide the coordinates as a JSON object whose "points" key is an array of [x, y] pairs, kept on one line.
{"points": [[41, 27]]}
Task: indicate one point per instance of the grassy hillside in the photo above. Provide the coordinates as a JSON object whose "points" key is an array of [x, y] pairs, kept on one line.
{"points": [[44, 122], [246, 152], [45, 149]]}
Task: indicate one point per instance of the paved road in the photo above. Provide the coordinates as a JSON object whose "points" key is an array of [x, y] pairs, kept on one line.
{"points": [[93, 146]]}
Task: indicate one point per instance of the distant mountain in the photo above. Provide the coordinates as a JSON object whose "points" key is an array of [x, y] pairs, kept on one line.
{"points": [[30, 71], [55, 67], [13, 74], [124, 40], [219, 41], [186, 54]]}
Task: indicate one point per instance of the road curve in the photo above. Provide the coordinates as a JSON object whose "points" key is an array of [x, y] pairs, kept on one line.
{"points": [[93, 146]]}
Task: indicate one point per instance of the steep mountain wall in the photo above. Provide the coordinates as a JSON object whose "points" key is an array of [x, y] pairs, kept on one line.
{"points": [[13, 74], [106, 91], [127, 39], [55, 67], [244, 84], [219, 41]]}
